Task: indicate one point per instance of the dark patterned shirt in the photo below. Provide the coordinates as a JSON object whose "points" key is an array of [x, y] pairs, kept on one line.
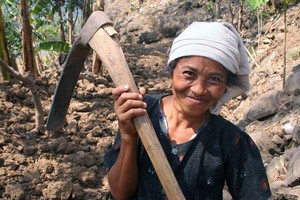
{"points": [[220, 152]]}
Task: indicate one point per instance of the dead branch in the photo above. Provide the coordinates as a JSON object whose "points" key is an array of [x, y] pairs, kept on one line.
{"points": [[29, 82], [249, 54]]}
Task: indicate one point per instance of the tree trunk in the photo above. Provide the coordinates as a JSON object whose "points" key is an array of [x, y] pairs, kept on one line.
{"points": [[100, 4], [97, 67], [29, 82], [27, 45], [61, 25], [218, 9], [3, 49], [231, 12], [86, 11], [240, 21], [83, 12], [71, 26]]}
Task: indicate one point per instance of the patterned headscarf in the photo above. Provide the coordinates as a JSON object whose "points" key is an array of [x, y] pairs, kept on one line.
{"points": [[218, 41]]}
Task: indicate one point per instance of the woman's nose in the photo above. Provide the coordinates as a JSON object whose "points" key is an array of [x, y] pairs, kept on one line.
{"points": [[199, 87]]}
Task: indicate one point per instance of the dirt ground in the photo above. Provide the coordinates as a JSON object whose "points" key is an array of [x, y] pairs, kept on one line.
{"points": [[67, 164]]}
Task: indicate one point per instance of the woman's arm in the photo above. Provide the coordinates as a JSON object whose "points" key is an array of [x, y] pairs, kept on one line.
{"points": [[123, 176], [246, 177]]}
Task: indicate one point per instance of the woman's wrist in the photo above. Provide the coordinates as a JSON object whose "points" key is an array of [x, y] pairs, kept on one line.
{"points": [[129, 139]]}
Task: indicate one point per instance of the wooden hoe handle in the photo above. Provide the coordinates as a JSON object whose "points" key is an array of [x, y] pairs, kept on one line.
{"points": [[111, 54]]}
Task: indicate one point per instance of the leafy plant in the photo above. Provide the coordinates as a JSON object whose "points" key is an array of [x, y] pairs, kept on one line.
{"points": [[255, 4], [56, 46]]}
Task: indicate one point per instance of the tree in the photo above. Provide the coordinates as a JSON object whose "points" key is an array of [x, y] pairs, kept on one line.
{"points": [[97, 67], [27, 44], [3, 49]]}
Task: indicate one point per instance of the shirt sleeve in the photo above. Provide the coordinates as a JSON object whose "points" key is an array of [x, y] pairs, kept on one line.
{"points": [[245, 173], [111, 155]]}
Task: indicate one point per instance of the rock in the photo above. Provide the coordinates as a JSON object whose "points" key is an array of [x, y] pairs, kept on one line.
{"points": [[8, 105], [292, 84], [96, 131], [88, 178], [11, 164], [45, 166], [15, 192], [293, 175], [286, 193], [103, 146], [2, 140], [264, 106], [288, 128], [55, 143], [80, 107], [149, 37], [29, 150], [72, 126], [277, 140], [51, 89], [78, 192], [275, 169], [66, 148], [85, 159], [296, 135], [58, 190]]}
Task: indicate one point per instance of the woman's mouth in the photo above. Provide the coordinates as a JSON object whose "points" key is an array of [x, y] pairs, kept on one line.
{"points": [[195, 100]]}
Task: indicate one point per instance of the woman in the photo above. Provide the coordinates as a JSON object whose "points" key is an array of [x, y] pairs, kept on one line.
{"points": [[208, 66]]}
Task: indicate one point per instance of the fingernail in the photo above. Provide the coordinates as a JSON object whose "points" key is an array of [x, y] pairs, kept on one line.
{"points": [[125, 87]]}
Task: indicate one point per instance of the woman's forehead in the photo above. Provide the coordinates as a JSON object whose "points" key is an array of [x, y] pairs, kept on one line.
{"points": [[200, 61]]}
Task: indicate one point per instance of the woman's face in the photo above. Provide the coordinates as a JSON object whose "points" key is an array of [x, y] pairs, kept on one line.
{"points": [[198, 83]]}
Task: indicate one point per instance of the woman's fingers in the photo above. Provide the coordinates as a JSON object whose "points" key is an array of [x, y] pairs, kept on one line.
{"points": [[130, 108], [116, 92], [128, 104]]}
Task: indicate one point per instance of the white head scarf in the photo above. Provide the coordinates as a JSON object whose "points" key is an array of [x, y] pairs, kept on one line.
{"points": [[218, 41]]}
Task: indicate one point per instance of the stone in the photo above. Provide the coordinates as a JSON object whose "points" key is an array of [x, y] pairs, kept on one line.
{"points": [[96, 131], [264, 106], [277, 140], [88, 178], [58, 190], [72, 126], [29, 150], [78, 192], [293, 173], [296, 135], [85, 159], [66, 148], [80, 107], [274, 169], [15, 192], [292, 83]]}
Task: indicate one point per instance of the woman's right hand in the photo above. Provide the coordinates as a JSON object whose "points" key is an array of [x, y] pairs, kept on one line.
{"points": [[128, 105]]}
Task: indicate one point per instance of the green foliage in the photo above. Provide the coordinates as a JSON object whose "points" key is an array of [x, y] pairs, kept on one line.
{"points": [[39, 7], [294, 55], [44, 26], [210, 7], [255, 4], [56, 46], [11, 19]]}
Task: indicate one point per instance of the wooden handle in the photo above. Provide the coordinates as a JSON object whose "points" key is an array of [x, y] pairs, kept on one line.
{"points": [[113, 59]]}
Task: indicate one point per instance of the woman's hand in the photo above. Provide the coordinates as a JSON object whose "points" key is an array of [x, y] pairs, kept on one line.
{"points": [[127, 106]]}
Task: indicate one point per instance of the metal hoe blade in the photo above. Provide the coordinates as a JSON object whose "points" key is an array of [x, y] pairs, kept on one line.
{"points": [[66, 85]]}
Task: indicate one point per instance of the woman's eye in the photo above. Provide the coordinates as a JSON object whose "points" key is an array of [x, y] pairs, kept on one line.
{"points": [[215, 79], [188, 73]]}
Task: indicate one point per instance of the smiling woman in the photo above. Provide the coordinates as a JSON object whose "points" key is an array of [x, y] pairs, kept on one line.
{"points": [[198, 83], [208, 66]]}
